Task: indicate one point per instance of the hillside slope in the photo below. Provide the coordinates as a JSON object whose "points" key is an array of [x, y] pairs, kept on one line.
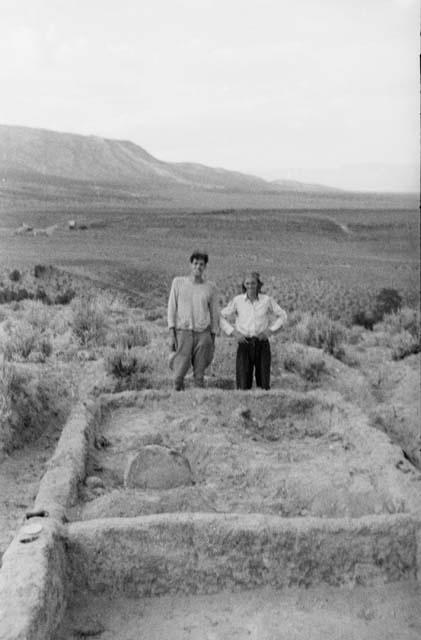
{"points": [[32, 152], [52, 171]]}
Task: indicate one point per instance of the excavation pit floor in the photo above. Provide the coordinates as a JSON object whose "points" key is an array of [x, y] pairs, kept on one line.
{"points": [[283, 453], [386, 612]]}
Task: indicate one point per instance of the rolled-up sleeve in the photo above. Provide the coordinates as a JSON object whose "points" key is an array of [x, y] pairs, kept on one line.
{"points": [[281, 316], [226, 312]]}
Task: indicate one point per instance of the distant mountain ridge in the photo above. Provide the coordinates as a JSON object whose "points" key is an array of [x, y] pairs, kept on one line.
{"points": [[43, 169], [303, 186], [93, 159]]}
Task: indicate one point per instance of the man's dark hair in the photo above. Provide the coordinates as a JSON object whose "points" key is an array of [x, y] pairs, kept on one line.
{"points": [[199, 255]]}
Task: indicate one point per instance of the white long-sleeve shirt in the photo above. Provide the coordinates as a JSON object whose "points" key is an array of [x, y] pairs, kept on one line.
{"points": [[252, 317], [193, 305]]}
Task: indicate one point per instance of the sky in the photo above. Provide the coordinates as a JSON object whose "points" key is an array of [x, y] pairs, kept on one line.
{"points": [[322, 91]]}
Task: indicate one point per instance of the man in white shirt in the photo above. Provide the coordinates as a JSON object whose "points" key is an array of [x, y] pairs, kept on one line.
{"points": [[192, 322], [253, 312]]}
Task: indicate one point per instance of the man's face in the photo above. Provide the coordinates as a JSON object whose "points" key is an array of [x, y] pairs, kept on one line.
{"points": [[250, 284], [197, 267]]}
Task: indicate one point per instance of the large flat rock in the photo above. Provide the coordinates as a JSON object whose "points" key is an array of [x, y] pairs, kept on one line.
{"points": [[157, 467]]}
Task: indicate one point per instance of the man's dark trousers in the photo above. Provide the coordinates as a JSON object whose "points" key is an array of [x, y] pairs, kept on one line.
{"points": [[254, 354]]}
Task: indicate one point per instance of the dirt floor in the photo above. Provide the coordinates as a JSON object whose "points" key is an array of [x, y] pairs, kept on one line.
{"points": [[387, 612], [285, 453]]}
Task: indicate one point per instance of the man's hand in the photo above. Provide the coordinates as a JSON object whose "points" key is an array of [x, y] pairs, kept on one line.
{"points": [[239, 336], [264, 335], [172, 341]]}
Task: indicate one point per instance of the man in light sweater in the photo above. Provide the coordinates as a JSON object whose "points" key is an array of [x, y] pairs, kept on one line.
{"points": [[193, 321], [254, 312]]}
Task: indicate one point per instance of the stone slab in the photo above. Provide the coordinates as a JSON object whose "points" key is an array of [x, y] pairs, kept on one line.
{"points": [[157, 467]]}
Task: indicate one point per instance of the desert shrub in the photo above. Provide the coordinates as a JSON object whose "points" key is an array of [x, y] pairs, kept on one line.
{"points": [[308, 363], [41, 294], [387, 301], [6, 295], [45, 346], [11, 295], [321, 332], [39, 270], [15, 275], [65, 297], [7, 373], [23, 398], [355, 335], [23, 339], [22, 294], [121, 363], [405, 319], [154, 314], [29, 402], [131, 371], [364, 318], [38, 315], [88, 320], [404, 344], [132, 335]]}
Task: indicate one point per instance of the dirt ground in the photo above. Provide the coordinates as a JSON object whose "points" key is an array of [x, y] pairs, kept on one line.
{"points": [[22, 469], [387, 612], [20, 475], [285, 453], [309, 459]]}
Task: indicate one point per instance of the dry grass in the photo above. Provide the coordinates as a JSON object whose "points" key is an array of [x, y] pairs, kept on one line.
{"points": [[406, 319], [24, 341], [129, 368], [320, 331], [128, 336], [404, 344], [307, 362], [29, 400], [89, 321]]}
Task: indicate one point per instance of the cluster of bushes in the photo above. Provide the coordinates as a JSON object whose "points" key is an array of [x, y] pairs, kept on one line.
{"points": [[387, 301], [403, 332], [129, 336], [60, 293], [131, 370], [89, 321], [24, 340], [28, 403], [307, 362], [123, 357], [29, 335], [319, 331], [404, 344], [8, 294]]}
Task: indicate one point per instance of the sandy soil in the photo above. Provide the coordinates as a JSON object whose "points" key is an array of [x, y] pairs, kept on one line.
{"points": [[388, 612]]}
